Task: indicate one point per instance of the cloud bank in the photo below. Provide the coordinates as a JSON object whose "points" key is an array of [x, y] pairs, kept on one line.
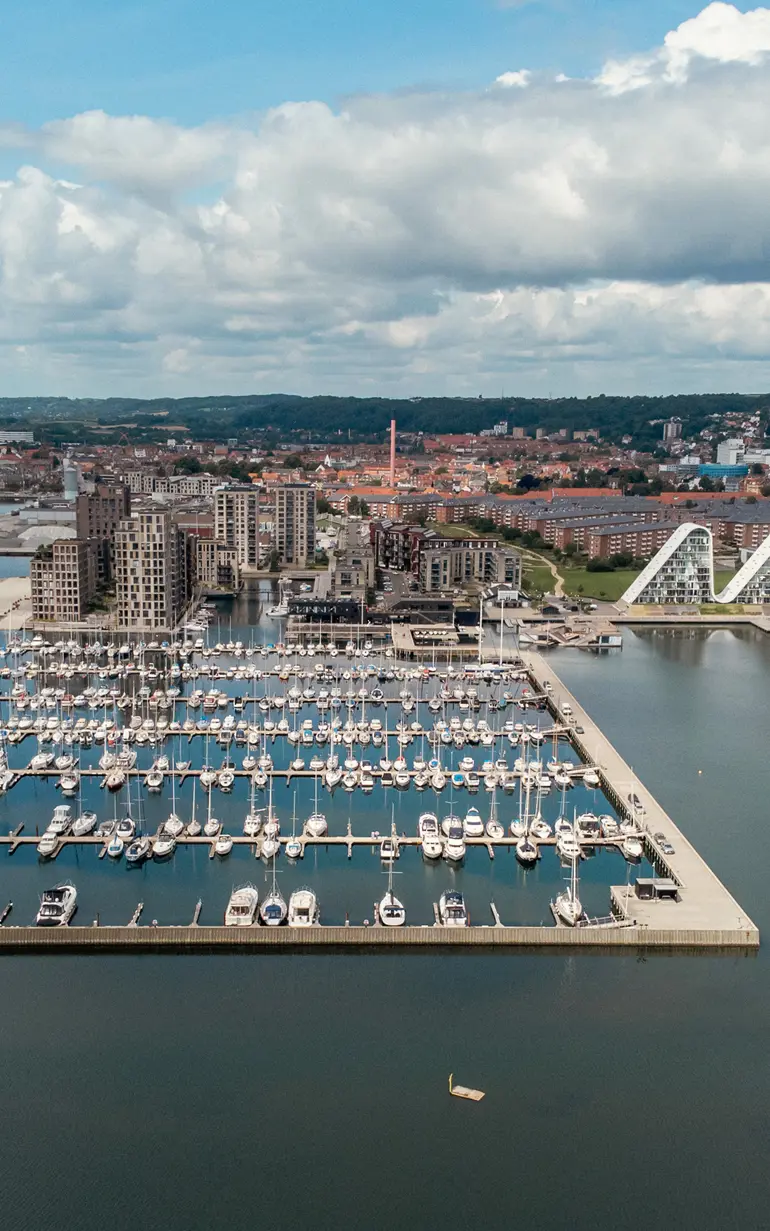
{"points": [[541, 235]]}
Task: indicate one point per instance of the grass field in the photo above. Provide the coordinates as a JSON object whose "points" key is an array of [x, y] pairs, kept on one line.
{"points": [[606, 586], [537, 579]]}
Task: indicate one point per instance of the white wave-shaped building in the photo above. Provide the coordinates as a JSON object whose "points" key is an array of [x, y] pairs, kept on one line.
{"points": [[683, 572]]}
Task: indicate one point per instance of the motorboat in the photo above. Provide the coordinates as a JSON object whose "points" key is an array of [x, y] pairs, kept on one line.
{"points": [[115, 846], [48, 844], [526, 851], [138, 851], [164, 845], [632, 849], [431, 846], [452, 910], [591, 779], [473, 826], [57, 906], [125, 829], [567, 847], [241, 911], [223, 844], [84, 824], [304, 910], [61, 821], [454, 846], [252, 823], [427, 825]]}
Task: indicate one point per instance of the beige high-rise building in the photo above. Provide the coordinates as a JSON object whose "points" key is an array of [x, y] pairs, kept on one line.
{"points": [[62, 581], [295, 524], [153, 578], [236, 521], [99, 513]]}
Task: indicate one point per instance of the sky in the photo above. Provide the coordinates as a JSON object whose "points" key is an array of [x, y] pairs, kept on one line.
{"points": [[537, 198]]}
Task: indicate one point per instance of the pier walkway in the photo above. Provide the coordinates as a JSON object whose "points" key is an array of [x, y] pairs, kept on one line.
{"points": [[703, 905]]}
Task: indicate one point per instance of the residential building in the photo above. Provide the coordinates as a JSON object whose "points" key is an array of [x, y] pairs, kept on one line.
{"points": [[154, 571], [683, 572], [295, 524], [146, 483], [352, 573], [61, 581], [97, 516], [11, 437], [236, 521], [672, 430], [217, 565], [444, 564]]}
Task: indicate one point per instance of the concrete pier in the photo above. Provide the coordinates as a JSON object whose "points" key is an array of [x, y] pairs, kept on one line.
{"points": [[703, 907]]}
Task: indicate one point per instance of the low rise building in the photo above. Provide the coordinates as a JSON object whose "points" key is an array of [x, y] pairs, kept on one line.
{"points": [[444, 564]]}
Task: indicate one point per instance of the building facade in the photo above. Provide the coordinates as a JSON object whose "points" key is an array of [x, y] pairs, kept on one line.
{"points": [[236, 521], [62, 581], [97, 516], [217, 566], [444, 564], [154, 572], [295, 524]]}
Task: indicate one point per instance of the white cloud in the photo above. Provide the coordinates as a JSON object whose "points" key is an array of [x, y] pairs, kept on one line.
{"points": [[520, 78], [720, 33], [571, 236]]}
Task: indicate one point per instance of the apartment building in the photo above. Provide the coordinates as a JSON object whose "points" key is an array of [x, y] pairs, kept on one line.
{"points": [[295, 524], [97, 516], [236, 521], [217, 565], [444, 564], [62, 581], [154, 571], [145, 483]]}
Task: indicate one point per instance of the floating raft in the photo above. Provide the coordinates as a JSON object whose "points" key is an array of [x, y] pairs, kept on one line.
{"points": [[464, 1092]]}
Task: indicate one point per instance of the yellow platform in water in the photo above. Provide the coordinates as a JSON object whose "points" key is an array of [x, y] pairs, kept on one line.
{"points": [[464, 1092]]}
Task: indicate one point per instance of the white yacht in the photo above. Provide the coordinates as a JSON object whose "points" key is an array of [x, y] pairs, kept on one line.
{"points": [[454, 846], [427, 825], [392, 913], [164, 845], [316, 825], [473, 826], [304, 910], [273, 910], [84, 824], [57, 906], [567, 906], [632, 848], [223, 844], [61, 821], [48, 844], [567, 846], [242, 908], [452, 910], [526, 851]]}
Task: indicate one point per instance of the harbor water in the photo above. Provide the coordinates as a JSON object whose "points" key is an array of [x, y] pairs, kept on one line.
{"points": [[194, 1091]]}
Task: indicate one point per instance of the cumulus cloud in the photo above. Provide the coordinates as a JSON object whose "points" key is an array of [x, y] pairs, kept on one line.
{"points": [[572, 235]]}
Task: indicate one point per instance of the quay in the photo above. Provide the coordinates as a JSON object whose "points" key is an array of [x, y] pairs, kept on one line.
{"points": [[699, 905]]}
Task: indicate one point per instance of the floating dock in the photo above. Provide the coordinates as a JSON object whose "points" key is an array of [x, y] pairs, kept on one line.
{"points": [[464, 1091]]}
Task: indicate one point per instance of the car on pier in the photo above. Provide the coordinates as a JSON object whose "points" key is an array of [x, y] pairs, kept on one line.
{"points": [[664, 844]]}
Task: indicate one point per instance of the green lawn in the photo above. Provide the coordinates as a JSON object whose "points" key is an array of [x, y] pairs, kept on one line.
{"points": [[606, 586], [537, 579]]}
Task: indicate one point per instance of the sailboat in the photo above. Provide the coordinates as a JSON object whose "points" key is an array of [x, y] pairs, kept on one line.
{"points": [[273, 910], [567, 907], [316, 825], [293, 848], [194, 827], [174, 824], [392, 912]]}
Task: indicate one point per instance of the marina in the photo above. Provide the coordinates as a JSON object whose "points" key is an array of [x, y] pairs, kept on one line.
{"points": [[579, 853]]}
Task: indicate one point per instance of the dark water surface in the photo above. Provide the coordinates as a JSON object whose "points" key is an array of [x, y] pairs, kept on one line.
{"points": [[232, 1091]]}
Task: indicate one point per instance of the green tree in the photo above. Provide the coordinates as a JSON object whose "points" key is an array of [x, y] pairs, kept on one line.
{"points": [[292, 461], [322, 505], [275, 561], [189, 464]]}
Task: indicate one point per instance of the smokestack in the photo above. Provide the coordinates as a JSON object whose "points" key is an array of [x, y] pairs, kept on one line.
{"points": [[393, 453]]}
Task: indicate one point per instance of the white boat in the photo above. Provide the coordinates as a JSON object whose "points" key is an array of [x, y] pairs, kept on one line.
{"points": [[427, 825], [61, 821], [164, 845], [84, 824], [293, 848], [241, 911], [473, 826], [138, 851], [48, 844], [304, 910], [591, 778], [115, 847], [540, 829], [273, 910], [526, 851], [391, 911], [454, 846], [632, 848], [567, 906], [316, 825], [567, 846], [452, 910], [270, 848], [431, 846], [223, 844], [57, 906]]}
